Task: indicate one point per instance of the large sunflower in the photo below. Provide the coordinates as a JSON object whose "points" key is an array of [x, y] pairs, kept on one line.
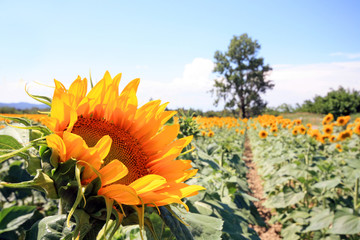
{"points": [[130, 147]]}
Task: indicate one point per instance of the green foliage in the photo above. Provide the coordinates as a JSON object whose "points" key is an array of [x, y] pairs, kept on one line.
{"points": [[243, 77], [223, 173], [283, 108], [340, 102], [188, 125], [12, 110], [313, 188]]}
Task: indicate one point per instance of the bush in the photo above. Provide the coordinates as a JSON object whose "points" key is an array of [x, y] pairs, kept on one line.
{"points": [[339, 102]]}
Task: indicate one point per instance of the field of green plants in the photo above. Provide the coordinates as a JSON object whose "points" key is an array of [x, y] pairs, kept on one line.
{"points": [[310, 178]]}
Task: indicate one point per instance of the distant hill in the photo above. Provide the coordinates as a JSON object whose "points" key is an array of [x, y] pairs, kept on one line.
{"points": [[23, 105]]}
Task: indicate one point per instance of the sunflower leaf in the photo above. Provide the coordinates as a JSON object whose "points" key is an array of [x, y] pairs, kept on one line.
{"points": [[51, 227], [41, 182], [178, 229]]}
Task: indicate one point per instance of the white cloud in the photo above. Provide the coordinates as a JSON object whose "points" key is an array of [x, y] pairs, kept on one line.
{"points": [[296, 83], [346, 55], [14, 91], [293, 84], [189, 90]]}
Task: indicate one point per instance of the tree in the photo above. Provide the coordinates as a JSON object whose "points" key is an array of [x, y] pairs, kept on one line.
{"points": [[243, 77], [339, 102]]}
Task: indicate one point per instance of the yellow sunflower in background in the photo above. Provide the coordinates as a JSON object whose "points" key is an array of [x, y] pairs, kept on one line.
{"points": [[357, 129], [327, 119], [130, 147], [342, 120], [263, 134], [344, 135], [328, 129]]}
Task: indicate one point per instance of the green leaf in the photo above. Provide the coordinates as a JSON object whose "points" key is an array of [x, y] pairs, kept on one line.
{"points": [[13, 217], [345, 223], [178, 229], [202, 227], [328, 184], [203, 208], [51, 228], [212, 148], [283, 200], [320, 220], [290, 232]]}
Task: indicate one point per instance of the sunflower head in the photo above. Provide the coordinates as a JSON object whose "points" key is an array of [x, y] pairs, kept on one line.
{"points": [[343, 120], [344, 135], [295, 131], [327, 119], [263, 134], [328, 129], [130, 149]]}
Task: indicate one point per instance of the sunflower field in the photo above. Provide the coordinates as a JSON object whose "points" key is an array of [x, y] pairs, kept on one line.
{"points": [[98, 166]]}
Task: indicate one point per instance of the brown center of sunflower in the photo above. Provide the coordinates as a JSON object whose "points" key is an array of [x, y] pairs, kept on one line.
{"points": [[124, 146]]}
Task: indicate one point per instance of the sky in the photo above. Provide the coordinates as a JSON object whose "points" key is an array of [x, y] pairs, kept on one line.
{"points": [[312, 46]]}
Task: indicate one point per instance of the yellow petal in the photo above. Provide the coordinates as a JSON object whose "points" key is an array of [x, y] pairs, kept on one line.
{"points": [[148, 183], [121, 193], [57, 144], [112, 172]]}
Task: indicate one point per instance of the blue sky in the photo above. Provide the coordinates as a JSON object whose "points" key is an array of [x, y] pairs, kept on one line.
{"points": [[312, 45]]}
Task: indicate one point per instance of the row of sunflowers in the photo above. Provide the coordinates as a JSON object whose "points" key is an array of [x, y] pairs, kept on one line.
{"points": [[311, 175]]}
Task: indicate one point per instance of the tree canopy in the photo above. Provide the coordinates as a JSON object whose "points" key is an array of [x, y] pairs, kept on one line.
{"points": [[339, 102], [242, 77]]}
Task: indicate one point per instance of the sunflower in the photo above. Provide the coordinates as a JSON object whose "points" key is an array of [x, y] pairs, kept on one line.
{"points": [[357, 129], [295, 131], [328, 129], [263, 134], [327, 119], [315, 133], [339, 147], [333, 139], [343, 120], [133, 142], [274, 129], [302, 129], [344, 135]]}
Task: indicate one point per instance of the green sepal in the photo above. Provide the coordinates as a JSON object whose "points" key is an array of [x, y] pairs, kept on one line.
{"points": [[150, 226], [83, 225], [39, 128], [109, 207], [35, 134], [39, 98], [41, 182], [18, 152], [33, 165], [80, 191], [24, 121], [10, 147]]}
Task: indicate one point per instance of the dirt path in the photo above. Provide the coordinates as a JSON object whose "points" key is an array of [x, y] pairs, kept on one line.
{"points": [[255, 184]]}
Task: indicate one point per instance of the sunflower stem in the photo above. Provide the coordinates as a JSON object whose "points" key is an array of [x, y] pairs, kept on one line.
{"points": [[61, 209], [356, 195]]}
